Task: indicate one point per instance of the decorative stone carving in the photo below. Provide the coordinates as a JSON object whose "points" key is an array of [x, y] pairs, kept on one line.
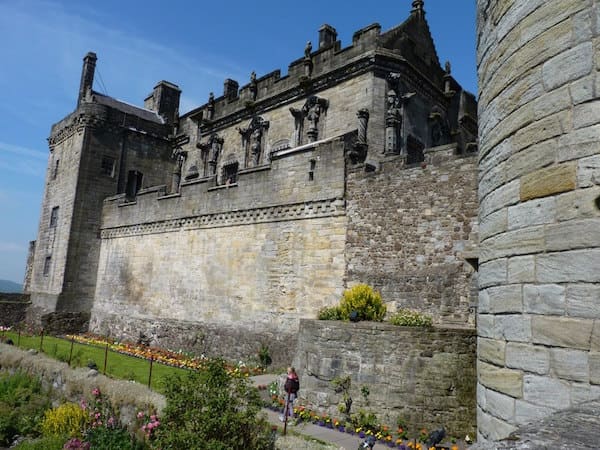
{"points": [[358, 151], [439, 131], [253, 85], [252, 140], [210, 109], [312, 111], [394, 115], [179, 155], [210, 154], [308, 64]]}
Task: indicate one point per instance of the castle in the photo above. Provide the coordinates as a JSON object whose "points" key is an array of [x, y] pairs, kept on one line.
{"points": [[258, 208], [225, 226]]}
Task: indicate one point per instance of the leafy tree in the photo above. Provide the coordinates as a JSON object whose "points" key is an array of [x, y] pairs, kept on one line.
{"points": [[212, 410]]}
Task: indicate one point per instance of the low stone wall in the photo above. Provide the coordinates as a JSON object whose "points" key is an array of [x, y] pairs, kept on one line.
{"points": [[233, 342], [13, 308], [74, 384], [427, 377]]}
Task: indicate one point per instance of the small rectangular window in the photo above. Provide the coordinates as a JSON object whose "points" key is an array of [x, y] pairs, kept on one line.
{"points": [[55, 172], [54, 216], [108, 166], [47, 262], [230, 173]]}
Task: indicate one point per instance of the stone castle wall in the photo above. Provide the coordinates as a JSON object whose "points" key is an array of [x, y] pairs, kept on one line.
{"points": [[408, 233], [538, 323], [425, 377]]}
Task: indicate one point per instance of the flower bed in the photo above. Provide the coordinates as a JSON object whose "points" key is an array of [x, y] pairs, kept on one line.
{"points": [[385, 436], [168, 357]]}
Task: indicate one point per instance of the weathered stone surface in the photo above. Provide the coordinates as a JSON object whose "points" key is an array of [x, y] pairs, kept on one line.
{"points": [[401, 366], [579, 143], [486, 327], [595, 342], [582, 90], [13, 308], [546, 391], [549, 181], [570, 364], [506, 195], [505, 299], [561, 332], [513, 327], [594, 362], [494, 428], [578, 204], [527, 357], [500, 379], [578, 298], [533, 212], [491, 350], [493, 273], [493, 224], [586, 114], [572, 235], [576, 265], [544, 299], [569, 65], [502, 405], [511, 243], [588, 169], [572, 428], [521, 269]]}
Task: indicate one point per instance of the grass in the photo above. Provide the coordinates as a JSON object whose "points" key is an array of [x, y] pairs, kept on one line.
{"points": [[117, 365]]}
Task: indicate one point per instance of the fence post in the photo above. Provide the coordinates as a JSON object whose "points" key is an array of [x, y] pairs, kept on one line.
{"points": [[150, 373], [42, 340], [71, 352], [105, 357], [19, 338]]}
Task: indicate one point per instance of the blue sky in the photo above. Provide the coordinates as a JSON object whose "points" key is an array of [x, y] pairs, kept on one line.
{"points": [[194, 44]]}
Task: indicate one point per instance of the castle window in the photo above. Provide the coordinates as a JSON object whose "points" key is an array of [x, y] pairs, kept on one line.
{"points": [[107, 166], [54, 217], [311, 172], [230, 173], [55, 172], [47, 262], [414, 150], [134, 182]]}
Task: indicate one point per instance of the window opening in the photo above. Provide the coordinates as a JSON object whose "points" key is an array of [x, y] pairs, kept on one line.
{"points": [[107, 167], [47, 262], [134, 183], [54, 216]]}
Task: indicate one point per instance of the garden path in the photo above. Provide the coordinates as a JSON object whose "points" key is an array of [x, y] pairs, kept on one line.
{"points": [[342, 440]]}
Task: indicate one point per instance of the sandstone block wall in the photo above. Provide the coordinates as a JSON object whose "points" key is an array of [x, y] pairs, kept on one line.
{"points": [[539, 130], [426, 377]]}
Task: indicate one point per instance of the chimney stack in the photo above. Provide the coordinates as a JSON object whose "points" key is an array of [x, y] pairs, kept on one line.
{"points": [[87, 75], [327, 36], [230, 89]]}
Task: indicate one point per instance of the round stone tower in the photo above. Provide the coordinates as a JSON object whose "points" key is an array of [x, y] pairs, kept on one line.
{"points": [[539, 193]]}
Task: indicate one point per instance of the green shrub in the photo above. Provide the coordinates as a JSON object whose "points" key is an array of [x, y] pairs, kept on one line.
{"points": [[112, 438], [365, 420], [410, 318], [212, 409], [67, 419], [22, 406], [364, 302], [330, 313], [43, 443]]}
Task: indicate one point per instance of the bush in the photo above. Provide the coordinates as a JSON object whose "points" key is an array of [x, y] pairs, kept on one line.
{"points": [[332, 313], [212, 409], [43, 443], [410, 318], [69, 419], [22, 406], [363, 302]]}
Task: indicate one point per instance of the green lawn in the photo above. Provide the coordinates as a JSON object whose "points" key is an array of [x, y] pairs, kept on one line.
{"points": [[117, 365]]}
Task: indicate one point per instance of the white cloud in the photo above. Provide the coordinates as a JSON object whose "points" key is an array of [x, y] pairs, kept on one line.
{"points": [[12, 247]]}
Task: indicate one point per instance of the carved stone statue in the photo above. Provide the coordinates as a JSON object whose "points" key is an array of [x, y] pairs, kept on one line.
{"points": [[308, 50], [255, 145], [210, 109]]}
